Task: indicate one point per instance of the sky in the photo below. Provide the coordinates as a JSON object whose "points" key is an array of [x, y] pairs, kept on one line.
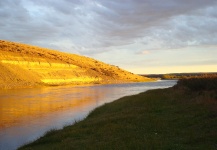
{"points": [[141, 36]]}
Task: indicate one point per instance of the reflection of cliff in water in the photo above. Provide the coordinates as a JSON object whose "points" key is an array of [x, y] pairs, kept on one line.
{"points": [[25, 114], [34, 103]]}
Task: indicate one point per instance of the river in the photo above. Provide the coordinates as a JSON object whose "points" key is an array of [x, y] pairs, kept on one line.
{"points": [[26, 114]]}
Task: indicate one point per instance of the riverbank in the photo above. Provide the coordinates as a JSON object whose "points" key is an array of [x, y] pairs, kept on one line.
{"points": [[27, 66], [180, 117]]}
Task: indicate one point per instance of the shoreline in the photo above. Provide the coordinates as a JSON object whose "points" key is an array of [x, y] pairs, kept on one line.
{"points": [[71, 84], [156, 119], [63, 101]]}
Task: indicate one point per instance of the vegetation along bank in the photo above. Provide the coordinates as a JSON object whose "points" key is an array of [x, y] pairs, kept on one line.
{"points": [[181, 117]]}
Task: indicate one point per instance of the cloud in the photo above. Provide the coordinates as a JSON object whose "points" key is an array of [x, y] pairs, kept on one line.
{"points": [[144, 52], [89, 27]]}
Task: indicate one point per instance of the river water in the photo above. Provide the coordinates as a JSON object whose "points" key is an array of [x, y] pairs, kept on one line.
{"points": [[26, 114]]}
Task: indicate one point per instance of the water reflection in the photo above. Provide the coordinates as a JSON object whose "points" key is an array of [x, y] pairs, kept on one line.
{"points": [[23, 105], [26, 114]]}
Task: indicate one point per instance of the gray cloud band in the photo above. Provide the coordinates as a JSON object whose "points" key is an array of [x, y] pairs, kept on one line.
{"points": [[101, 24]]}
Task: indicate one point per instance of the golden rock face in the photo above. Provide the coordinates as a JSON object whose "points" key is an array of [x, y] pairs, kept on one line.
{"points": [[25, 66]]}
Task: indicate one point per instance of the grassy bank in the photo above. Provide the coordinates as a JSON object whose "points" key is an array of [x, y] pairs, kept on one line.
{"points": [[173, 118]]}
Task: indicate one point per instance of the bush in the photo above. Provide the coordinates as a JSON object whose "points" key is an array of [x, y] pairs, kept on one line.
{"points": [[199, 84]]}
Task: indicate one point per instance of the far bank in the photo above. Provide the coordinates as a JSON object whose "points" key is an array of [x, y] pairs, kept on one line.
{"points": [[24, 66]]}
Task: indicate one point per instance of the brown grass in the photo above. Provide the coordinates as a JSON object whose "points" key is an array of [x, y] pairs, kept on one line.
{"points": [[23, 64]]}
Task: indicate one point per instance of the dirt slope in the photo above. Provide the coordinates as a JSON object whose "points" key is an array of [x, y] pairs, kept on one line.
{"points": [[23, 65]]}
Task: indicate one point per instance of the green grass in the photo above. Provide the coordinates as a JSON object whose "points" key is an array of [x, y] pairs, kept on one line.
{"points": [[174, 118]]}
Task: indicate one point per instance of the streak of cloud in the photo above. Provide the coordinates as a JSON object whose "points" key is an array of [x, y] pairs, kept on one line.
{"points": [[100, 24]]}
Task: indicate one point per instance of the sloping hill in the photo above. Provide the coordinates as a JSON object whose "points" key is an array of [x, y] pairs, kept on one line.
{"points": [[23, 65]]}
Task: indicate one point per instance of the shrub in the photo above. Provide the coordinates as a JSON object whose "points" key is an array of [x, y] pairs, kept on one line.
{"points": [[199, 84]]}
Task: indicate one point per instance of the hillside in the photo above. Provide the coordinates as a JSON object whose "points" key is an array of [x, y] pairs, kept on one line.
{"points": [[24, 65]]}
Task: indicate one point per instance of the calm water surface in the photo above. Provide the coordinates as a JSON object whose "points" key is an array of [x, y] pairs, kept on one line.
{"points": [[26, 114]]}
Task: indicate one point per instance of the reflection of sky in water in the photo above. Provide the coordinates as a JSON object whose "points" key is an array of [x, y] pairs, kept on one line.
{"points": [[26, 114]]}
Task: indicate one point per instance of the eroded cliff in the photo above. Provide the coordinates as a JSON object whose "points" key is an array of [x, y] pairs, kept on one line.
{"points": [[23, 65]]}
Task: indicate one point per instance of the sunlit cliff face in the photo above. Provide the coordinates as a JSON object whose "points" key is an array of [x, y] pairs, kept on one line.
{"points": [[48, 72], [23, 65]]}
